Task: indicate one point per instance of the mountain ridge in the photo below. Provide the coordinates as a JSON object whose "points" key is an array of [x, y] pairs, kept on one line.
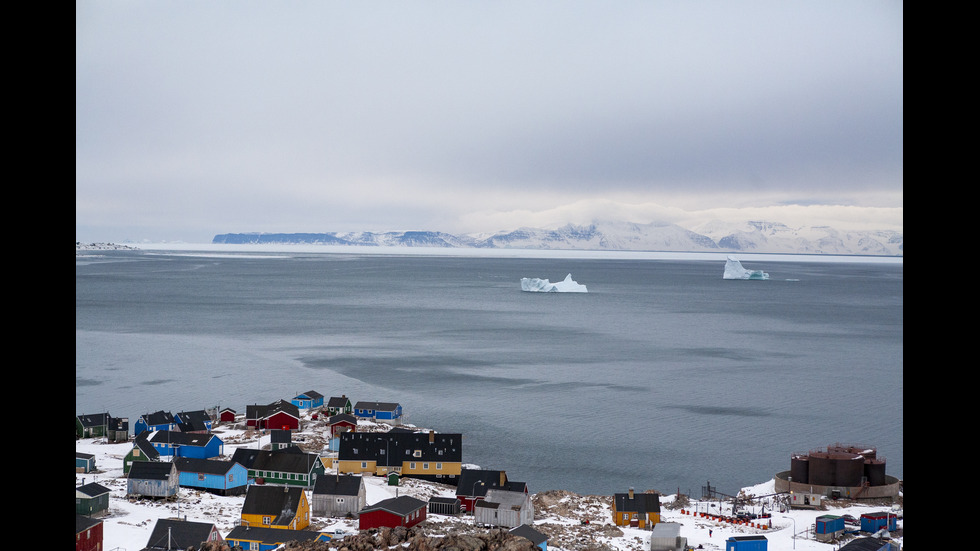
{"points": [[755, 236]]}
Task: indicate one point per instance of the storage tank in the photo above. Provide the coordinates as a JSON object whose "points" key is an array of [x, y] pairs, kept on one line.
{"points": [[874, 470], [800, 468], [849, 469], [822, 469]]}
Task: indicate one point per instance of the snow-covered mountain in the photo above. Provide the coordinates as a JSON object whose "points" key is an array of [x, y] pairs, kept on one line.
{"points": [[752, 236]]}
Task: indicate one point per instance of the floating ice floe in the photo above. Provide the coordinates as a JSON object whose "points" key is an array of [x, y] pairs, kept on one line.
{"points": [[734, 270], [544, 286]]}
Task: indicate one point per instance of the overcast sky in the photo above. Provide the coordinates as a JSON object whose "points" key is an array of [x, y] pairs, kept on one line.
{"points": [[198, 118]]}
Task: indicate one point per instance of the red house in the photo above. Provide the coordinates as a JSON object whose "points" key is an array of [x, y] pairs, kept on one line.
{"points": [[277, 415], [88, 533], [404, 511], [342, 422], [227, 415]]}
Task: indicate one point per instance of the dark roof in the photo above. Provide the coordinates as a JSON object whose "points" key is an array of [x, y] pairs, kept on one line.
{"points": [[640, 503], [526, 531], [338, 401], [180, 438], [151, 470], [470, 482], [447, 500], [92, 489], [94, 419], [270, 535], [286, 460], [342, 485], [864, 544], [199, 416], [279, 436], [143, 443], [83, 455], [394, 448], [158, 418], [280, 502], [179, 534], [206, 466], [401, 505], [376, 406], [245, 456], [83, 523], [341, 417]]}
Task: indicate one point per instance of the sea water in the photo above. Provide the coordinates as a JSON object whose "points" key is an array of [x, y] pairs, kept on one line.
{"points": [[663, 376]]}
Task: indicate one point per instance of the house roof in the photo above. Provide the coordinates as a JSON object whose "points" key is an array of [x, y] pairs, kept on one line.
{"points": [[394, 448], [497, 498], [476, 482], [280, 502], [83, 523], [640, 502], [864, 544], [270, 536], [342, 485], [338, 401], [92, 489], [179, 534], [525, 531], [279, 436], [377, 406], [83, 455], [180, 438], [143, 443], [286, 460], [151, 470], [197, 416], [158, 418], [94, 419], [206, 466], [342, 418], [401, 505]]}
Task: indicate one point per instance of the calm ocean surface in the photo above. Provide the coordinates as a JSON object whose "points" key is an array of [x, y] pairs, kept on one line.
{"points": [[663, 376]]}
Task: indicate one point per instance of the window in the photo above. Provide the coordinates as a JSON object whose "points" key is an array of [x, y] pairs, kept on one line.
{"points": [[417, 453], [425, 466], [411, 466], [266, 520], [438, 466], [200, 476]]}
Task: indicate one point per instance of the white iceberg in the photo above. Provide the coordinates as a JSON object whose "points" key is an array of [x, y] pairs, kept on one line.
{"points": [[734, 270], [536, 285]]}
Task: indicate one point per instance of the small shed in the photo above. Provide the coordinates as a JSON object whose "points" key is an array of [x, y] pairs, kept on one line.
{"points": [[152, 479], [872, 522], [394, 479], [747, 543], [227, 415], [805, 501], [537, 538], [92, 500], [280, 439], [504, 508], [666, 536], [444, 506], [828, 527], [84, 462], [338, 495]]}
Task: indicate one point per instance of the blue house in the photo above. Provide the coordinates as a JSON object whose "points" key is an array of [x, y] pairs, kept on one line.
{"points": [[218, 477], [193, 421], [828, 527], [872, 522], [182, 444], [537, 538], [161, 420], [378, 411], [308, 400], [747, 543], [84, 462]]}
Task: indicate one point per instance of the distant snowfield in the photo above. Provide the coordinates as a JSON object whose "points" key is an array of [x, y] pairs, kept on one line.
{"points": [[129, 524], [228, 250]]}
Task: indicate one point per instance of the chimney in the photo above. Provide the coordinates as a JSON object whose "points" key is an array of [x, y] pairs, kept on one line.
{"points": [[432, 436], [631, 493]]}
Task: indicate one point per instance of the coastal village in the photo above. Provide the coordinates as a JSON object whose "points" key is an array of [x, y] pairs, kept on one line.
{"points": [[316, 472]]}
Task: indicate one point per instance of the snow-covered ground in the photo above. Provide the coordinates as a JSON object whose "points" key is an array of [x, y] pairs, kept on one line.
{"points": [[128, 525]]}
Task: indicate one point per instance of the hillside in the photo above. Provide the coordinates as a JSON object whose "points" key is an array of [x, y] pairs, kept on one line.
{"points": [[571, 521]]}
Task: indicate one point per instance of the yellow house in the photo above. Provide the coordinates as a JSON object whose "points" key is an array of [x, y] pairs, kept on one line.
{"points": [[636, 510], [276, 507]]}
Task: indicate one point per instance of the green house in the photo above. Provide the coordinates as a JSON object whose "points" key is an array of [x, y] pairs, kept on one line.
{"points": [[288, 466], [142, 450], [91, 500]]}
